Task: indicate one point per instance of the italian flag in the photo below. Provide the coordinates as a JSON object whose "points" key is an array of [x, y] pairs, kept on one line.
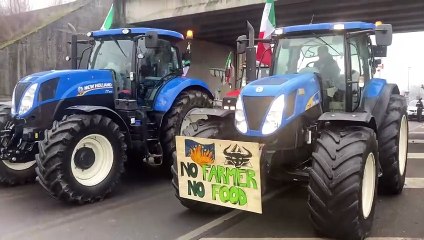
{"points": [[229, 68], [267, 28], [107, 24]]}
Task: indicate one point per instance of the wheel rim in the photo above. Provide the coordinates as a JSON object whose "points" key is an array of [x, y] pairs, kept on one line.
{"points": [[188, 118], [368, 185], [19, 166], [403, 145], [98, 169]]}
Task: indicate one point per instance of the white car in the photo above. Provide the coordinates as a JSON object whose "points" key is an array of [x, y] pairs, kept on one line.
{"points": [[412, 109]]}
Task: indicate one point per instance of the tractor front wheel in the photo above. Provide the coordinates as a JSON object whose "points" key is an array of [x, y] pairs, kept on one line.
{"points": [[343, 182], [81, 158], [14, 173]]}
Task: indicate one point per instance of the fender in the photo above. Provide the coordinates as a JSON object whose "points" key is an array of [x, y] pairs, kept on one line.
{"points": [[88, 109], [212, 112], [376, 98], [364, 119], [170, 91]]}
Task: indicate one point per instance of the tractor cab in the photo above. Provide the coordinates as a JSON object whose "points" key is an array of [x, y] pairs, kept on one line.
{"points": [[320, 67], [341, 54], [141, 60]]}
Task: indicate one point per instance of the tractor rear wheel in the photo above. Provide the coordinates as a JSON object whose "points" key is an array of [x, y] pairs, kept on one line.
{"points": [[14, 173], [177, 119], [81, 158], [393, 146], [343, 182]]}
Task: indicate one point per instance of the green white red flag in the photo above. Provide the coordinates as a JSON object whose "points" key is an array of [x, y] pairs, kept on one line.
{"points": [[229, 68], [267, 28], [107, 24]]}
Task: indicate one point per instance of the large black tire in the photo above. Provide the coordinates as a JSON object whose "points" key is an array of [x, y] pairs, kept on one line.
{"points": [[211, 128], [14, 174], [172, 121], [335, 190], [55, 158], [393, 146]]}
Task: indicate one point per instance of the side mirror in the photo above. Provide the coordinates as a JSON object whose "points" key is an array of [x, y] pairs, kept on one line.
{"points": [[376, 62], [151, 39], [241, 44], [379, 51], [186, 58], [383, 34]]}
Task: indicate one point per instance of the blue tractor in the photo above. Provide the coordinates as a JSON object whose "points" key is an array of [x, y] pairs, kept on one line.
{"points": [[74, 128], [322, 118]]}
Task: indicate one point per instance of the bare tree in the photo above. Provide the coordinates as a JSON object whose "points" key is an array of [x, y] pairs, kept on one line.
{"points": [[57, 2], [16, 6], [11, 17]]}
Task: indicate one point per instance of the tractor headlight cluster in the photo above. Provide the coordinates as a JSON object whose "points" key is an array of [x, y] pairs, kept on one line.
{"points": [[240, 119], [13, 110], [28, 99], [274, 116]]}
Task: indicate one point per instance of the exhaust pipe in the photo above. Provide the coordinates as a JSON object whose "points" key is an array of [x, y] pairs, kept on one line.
{"points": [[251, 55]]}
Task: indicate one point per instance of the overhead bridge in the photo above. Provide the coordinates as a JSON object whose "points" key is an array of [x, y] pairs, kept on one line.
{"points": [[221, 21]]}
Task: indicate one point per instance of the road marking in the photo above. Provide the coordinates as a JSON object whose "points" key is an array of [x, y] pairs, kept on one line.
{"points": [[414, 183], [370, 238], [416, 127], [416, 132], [415, 155], [198, 232]]}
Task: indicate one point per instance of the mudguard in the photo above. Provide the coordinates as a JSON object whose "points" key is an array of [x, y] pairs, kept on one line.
{"points": [[170, 91], [211, 112], [355, 118], [376, 99], [88, 109]]}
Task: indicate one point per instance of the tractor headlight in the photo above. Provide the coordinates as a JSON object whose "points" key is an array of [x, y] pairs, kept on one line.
{"points": [[274, 117], [28, 99], [13, 110], [240, 119]]}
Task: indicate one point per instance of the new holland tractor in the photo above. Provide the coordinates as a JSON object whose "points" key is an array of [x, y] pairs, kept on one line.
{"points": [[322, 118], [73, 128]]}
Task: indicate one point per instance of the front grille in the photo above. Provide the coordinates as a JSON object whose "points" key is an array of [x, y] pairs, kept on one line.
{"points": [[256, 109]]}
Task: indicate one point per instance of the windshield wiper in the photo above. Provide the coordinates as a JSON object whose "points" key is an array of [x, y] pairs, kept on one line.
{"points": [[119, 46], [322, 40]]}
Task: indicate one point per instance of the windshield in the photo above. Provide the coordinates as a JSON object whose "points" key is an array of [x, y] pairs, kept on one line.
{"points": [[114, 54], [157, 63], [320, 54]]}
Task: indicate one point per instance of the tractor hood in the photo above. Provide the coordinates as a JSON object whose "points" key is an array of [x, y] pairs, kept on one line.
{"points": [[278, 84], [65, 74], [290, 95], [54, 86]]}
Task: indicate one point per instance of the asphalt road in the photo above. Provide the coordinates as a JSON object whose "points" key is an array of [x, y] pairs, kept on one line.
{"points": [[144, 207]]}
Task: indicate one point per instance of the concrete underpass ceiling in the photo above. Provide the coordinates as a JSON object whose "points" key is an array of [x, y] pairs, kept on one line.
{"points": [[224, 26]]}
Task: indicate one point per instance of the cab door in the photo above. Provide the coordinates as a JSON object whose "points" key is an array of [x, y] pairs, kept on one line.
{"points": [[360, 69]]}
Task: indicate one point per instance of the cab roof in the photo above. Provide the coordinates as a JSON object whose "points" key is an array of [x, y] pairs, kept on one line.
{"points": [[138, 31], [328, 26]]}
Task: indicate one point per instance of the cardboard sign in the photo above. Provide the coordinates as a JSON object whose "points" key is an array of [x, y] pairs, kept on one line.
{"points": [[221, 172]]}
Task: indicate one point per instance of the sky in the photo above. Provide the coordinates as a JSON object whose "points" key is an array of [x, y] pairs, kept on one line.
{"points": [[406, 51], [38, 4]]}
